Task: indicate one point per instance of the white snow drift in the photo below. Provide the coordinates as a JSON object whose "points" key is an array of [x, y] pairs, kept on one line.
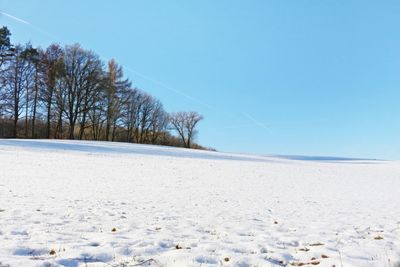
{"points": [[68, 203]]}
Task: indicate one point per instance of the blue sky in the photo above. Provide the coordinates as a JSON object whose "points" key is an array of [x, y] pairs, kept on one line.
{"points": [[270, 77]]}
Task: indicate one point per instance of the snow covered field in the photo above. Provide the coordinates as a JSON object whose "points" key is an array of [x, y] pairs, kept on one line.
{"points": [[69, 203]]}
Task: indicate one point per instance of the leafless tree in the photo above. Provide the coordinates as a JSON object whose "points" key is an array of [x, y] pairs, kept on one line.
{"points": [[5, 54], [34, 64], [184, 123], [5, 46], [97, 116], [130, 113], [115, 88], [143, 117], [52, 61], [152, 119], [18, 79], [80, 84], [158, 122]]}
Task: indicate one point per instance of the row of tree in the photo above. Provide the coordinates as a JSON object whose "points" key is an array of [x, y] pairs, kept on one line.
{"points": [[68, 92]]}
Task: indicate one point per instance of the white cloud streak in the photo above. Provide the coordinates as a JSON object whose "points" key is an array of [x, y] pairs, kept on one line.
{"points": [[198, 101], [27, 23], [257, 122], [15, 18], [161, 84]]}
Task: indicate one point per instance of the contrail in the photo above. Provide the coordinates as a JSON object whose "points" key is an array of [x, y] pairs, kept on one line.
{"points": [[161, 84], [262, 125], [169, 88], [248, 116], [27, 23], [14, 18]]}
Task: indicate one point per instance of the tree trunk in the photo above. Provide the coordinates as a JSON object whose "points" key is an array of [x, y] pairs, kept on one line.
{"points": [[49, 113], [15, 127], [35, 105], [113, 131], [82, 126], [26, 112], [71, 131], [59, 128], [16, 107]]}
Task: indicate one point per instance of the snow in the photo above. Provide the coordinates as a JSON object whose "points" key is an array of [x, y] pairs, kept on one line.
{"points": [[70, 203]]}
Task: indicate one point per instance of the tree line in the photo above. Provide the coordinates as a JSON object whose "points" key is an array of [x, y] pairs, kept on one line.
{"points": [[69, 93]]}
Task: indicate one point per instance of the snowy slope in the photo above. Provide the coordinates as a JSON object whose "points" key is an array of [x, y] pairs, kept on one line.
{"points": [[69, 203]]}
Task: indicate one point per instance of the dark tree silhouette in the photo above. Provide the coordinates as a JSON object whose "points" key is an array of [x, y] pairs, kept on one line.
{"points": [[185, 124], [68, 92]]}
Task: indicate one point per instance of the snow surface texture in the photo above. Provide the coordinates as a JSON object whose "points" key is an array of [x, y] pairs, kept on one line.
{"points": [[69, 203]]}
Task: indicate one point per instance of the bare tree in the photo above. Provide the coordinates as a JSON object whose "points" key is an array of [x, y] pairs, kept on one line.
{"points": [[147, 107], [5, 45], [18, 80], [184, 123], [52, 61], [152, 119], [97, 114], [143, 117], [158, 122], [82, 72], [33, 57], [130, 113], [5, 54], [115, 90]]}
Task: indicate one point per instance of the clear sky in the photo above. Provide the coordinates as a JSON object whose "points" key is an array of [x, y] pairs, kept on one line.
{"points": [[309, 77]]}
